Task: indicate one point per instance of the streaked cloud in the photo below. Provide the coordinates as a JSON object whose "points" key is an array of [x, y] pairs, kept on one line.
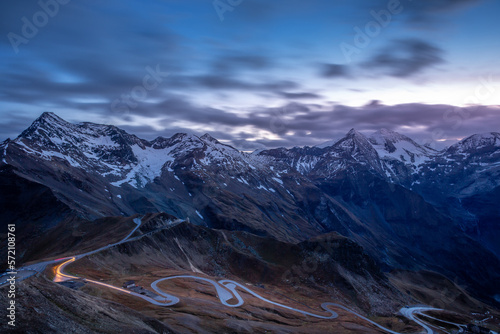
{"points": [[405, 58], [270, 74]]}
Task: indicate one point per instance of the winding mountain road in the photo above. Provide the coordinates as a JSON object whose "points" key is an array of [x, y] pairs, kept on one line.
{"points": [[225, 295], [410, 313], [460, 326], [226, 290], [160, 302], [40, 266]]}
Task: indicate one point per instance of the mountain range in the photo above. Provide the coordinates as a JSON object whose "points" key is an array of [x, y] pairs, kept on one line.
{"points": [[408, 206]]}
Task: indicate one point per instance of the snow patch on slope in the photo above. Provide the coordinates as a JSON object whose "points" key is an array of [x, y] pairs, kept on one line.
{"points": [[392, 145], [148, 167]]}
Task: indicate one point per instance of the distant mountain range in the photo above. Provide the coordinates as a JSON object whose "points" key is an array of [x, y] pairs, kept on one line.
{"points": [[409, 206]]}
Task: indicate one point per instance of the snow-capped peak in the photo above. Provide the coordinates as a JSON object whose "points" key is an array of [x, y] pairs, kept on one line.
{"points": [[393, 145], [208, 137], [50, 116], [383, 135], [476, 141], [47, 121], [122, 157], [354, 132], [355, 138]]}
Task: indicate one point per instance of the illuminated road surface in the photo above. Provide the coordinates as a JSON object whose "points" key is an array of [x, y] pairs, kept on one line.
{"points": [[410, 314], [168, 301], [225, 295], [226, 290], [40, 266], [443, 321]]}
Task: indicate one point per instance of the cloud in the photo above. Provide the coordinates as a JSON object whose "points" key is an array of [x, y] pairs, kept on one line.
{"points": [[428, 11], [426, 14], [213, 81], [236, 63], [296, 124], [257, 61], [333, 70], [298, 96], [405, 58], [299, 124]]}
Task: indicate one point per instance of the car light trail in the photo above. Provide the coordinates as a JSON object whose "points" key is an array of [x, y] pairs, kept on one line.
{"points": [[59, 272], [108, 286]]}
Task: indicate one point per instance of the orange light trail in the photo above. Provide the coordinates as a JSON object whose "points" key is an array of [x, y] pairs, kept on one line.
{"points": [[108, 286], [59, 272], [62, 265]]}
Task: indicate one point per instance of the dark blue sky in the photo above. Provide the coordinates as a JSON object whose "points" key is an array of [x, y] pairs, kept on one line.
{"points": [[254, 73]]}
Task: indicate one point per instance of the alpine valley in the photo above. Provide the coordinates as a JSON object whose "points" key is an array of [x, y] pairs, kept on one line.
{"points": [[374, 223]]}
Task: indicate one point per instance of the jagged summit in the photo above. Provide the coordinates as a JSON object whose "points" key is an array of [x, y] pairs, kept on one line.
{"points": [[121, 157], [48, 121], [179, 135], [49, 115], [475, 142], [391, 145], [127, 159], [387, 135], [208, 137], [354, 132], [354, 136]]}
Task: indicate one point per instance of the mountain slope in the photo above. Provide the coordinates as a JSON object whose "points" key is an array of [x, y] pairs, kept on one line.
{"points": [[409, 206]]}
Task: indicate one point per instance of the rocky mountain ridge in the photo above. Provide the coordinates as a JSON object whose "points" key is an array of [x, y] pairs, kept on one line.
{"points": [[408, 206]]}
